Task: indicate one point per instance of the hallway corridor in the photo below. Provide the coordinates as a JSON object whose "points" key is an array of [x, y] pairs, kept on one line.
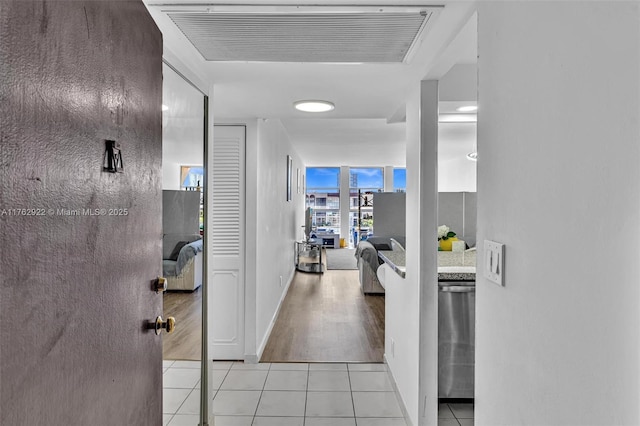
{"points": [[326, 318]]}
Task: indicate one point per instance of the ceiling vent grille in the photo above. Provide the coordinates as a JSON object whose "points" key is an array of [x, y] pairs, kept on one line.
{"points": [[329, 37]]}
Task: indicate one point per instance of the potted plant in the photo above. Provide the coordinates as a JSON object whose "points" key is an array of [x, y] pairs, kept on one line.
{"points": [[445, 238]]}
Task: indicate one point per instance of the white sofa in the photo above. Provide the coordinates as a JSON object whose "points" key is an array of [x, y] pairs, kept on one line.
{"points": [[368, 261], [185, 272]]}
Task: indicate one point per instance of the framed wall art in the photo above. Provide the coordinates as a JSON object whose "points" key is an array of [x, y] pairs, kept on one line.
{"points": [[289, 177]]}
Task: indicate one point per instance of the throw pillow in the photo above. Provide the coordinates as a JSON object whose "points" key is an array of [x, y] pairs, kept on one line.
{"points": [[380, 243], [176, 250]]}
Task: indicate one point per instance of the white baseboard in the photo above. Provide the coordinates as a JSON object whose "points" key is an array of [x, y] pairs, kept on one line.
{"points": [[251, 359], [405, 413], [265, 339]]}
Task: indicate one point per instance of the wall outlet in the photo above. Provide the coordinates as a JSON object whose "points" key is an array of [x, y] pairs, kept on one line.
{"points": [[494, 262], [280, 280]]}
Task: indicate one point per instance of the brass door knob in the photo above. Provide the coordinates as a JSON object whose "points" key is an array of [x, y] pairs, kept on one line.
{"points": [[160, 285], [169, 325]]}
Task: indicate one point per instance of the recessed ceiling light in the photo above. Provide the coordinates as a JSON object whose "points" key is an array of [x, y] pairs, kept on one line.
{"points": [[467, 108], [473, 156], [313, 106], [165, 108]]}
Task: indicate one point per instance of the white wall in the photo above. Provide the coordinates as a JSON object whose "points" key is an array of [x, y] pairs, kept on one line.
{"points": [[411, 331], [279, 223], [251, 249], [401, 336], [426, 266], [460, 83], [559, 122], [456, 173]]}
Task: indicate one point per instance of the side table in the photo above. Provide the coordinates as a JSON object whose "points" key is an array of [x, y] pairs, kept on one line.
{"points": [[308, 256]]}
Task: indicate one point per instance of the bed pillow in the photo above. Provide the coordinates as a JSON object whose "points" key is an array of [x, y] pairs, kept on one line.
{"points": [[176, 250]]}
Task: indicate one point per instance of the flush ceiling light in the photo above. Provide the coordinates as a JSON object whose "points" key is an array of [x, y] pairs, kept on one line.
{"points": [[314, 106], [164, 107], [467, 108]]}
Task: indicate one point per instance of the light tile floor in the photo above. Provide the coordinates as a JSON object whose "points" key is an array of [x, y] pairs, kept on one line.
{"points": [[292, 395], [455, 414], [181, 393]]}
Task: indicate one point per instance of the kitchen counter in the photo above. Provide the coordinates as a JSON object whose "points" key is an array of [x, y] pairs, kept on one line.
{"points": [[452, 266], [457, 266], [396, 259]]}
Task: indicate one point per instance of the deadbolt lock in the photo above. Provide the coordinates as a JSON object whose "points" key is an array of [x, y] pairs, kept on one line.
{"points": [[160, 284], [169, 325]]}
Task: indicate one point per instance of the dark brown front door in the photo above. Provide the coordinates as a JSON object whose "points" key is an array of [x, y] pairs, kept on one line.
{"points": [[79, 245]]}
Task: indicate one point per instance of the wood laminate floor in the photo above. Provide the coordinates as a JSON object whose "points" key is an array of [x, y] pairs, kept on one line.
{"points": [[326, 318], [185, 342]]}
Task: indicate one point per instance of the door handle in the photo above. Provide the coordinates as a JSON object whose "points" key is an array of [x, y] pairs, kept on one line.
{"points": [[160, 285], [458, 289], [159, 324]]}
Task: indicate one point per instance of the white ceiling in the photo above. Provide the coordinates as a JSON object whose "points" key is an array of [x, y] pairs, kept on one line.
{"points": [[337, 141], [366, 96]]}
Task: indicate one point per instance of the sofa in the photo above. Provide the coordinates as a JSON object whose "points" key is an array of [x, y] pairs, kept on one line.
{"points": [[368, 261], [182, 261]]}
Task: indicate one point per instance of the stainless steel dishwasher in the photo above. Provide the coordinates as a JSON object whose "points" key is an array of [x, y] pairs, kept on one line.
{"points": [[456, 338]]}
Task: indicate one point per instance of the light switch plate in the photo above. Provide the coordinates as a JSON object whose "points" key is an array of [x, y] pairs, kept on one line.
{"points": [[494, 262]]}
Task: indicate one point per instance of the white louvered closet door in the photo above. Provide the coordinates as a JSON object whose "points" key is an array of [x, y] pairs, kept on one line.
{"points": [[227, 222]]}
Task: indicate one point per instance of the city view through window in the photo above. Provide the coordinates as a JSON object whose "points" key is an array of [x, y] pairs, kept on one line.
{"points": [[399, 179], [323, 197], [363, 184]]}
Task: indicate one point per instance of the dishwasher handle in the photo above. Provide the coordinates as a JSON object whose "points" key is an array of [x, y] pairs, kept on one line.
{"points": [[458, 289]]}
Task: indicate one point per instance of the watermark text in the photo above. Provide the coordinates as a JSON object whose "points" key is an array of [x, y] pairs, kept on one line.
{"points": [[64, 211]]}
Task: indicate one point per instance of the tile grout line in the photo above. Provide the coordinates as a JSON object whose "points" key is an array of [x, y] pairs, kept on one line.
{"points": [[185, 400], [306, 396], [353, 402], [453, 413], [170, 420], [218, 390], [456, 417], [261, 393], [223, 379]]}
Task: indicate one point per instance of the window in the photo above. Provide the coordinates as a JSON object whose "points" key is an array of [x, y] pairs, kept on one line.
{"points": [[399, 180], [323, 196], [191, 177], [368, 181]]}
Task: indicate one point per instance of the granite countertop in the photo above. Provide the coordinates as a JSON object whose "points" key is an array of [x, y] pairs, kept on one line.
{"points": [[396, 259], [452, 266], [457, 266]]}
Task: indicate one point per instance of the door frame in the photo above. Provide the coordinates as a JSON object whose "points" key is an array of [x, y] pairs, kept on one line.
{"points": [[204, 390], [204, 356]]}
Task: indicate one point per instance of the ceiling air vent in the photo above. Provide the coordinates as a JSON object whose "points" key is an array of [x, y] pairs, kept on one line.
{"points": [[305, 34]]}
